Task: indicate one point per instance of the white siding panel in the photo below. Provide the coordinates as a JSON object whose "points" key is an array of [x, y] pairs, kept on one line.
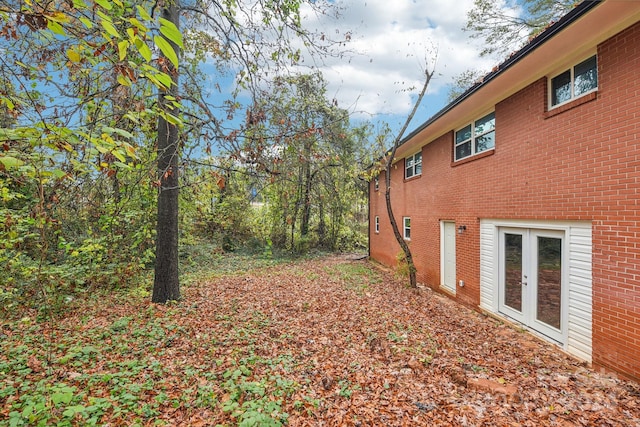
{"points": [[582, 324], [580, 268], [579, 349], [488, 265], [581, 283], [579, 340], [581, 298]]}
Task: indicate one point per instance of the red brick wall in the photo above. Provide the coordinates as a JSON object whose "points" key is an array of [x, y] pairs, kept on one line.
{"points": [[581, 162]]}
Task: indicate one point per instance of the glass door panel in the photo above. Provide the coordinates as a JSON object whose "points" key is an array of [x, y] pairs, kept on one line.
{"points": [[549, 292], [513, 271], [531, 279]]}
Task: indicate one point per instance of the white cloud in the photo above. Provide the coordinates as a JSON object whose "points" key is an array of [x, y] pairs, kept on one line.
{"points": [[391, 40]]}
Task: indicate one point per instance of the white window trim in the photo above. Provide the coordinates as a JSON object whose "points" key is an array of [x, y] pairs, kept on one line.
{"points": [[473, 137], [413, 167], [376, 183], [571, 69], [377, 224], [405, 228]]}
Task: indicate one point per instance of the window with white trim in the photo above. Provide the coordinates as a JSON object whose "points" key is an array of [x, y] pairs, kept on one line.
{"points": [[476, 137], [413, 165], [376, 183], [575, 82], [406, 225], [377, 224]]}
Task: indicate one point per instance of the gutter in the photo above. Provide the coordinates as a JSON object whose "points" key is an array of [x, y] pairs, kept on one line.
{"points": [[568, 19]]}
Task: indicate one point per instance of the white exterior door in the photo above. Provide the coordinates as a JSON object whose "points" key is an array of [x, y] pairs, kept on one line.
{"points": [[531, 279], [448, 256], [570, 282]]}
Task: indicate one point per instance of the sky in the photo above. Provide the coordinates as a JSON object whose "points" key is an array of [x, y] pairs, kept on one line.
{"points": [[392, 42]]}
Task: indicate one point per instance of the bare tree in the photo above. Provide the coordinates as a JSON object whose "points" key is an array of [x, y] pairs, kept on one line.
{"points": [[389, 160]]}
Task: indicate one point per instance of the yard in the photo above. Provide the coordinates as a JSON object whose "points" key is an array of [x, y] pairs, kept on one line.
{"points": [[326, 341]]}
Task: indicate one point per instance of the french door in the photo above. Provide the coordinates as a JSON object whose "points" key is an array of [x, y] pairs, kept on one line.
{"points": [[531, 286]]}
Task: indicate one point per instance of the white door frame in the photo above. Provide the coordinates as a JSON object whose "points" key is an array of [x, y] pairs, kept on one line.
{"points": [[529, 281], [520, 316]]}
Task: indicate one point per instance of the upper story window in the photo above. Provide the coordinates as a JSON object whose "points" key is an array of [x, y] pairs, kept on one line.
{"points": [[377, 224], [574, 82], [476, 137], [413, 165], [376, 183]]}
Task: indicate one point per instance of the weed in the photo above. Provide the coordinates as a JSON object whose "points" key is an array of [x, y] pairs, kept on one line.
{"points": [[250, 403], [476, 368], [346, 389], [402, 270], [120, 325], [426, 360], [400, 333], [393, 336], [355, 276]]}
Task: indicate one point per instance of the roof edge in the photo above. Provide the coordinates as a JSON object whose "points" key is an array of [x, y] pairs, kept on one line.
{"points": [[576, 13]]}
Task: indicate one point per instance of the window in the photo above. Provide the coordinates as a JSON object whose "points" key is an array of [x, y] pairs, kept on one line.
{"points": [[377, 224], [574, 82], [376, 183], [406, 221], [476, 137], [413, 165]]}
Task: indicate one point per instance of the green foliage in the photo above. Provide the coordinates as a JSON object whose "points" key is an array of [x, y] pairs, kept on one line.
{"points": [[51, 251], [75, 199], [200, 259], [78, 130], [311, 192], [356, 276], [250, 402], [402, 266], [505, 27], [257, 400], [130, 383], [347, 389]]}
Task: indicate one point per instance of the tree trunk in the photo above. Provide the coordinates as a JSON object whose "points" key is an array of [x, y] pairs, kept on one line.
{"points": [[396, 232], [166, 284], [322, 227], [306, 206], [296, 207], [387, 194]]}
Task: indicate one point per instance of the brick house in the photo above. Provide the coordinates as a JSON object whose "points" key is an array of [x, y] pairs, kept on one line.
{"points": [[521, 198]]}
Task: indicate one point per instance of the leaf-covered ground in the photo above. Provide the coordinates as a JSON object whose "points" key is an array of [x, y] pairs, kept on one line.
{"points": [[313, 343]]}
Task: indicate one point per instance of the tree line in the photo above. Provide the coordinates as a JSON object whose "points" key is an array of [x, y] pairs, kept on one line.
{"points": [[113, 148], [115, 145]]}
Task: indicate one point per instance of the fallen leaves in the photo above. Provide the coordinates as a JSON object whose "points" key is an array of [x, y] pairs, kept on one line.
{"points": [[320, 342]]}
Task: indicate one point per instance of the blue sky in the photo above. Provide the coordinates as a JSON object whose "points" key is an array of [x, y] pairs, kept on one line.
{"points": [[393, 41]]}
